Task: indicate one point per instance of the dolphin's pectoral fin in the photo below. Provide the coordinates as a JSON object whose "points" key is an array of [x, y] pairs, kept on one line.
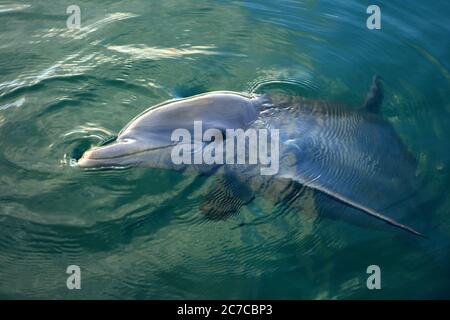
{"points": [[354, 204], [374, 97], [226, 197]]}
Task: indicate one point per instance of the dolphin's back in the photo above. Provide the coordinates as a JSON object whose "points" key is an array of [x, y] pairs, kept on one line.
{"points": [[348, 154]]}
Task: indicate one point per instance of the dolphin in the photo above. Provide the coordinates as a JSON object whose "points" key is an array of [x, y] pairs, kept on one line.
{"points": [[349, 155]]}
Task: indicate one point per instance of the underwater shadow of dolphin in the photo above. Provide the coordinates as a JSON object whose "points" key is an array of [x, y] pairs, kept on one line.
{"points": [[352, 156]]}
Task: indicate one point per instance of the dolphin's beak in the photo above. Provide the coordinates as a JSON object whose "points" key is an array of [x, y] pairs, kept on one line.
{"points": [[119, 153]]}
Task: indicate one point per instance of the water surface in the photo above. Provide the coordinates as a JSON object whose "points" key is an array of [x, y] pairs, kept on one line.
{"points": [[139, 233]]}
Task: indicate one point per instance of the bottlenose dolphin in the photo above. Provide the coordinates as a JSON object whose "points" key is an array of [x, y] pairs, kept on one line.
{"points": [[352, 156]]}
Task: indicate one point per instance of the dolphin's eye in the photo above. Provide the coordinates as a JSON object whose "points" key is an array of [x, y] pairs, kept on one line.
{"points": [[107, 140]]}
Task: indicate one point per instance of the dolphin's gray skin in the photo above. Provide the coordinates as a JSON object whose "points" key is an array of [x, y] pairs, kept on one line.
{"points": [[352, 156], [146, 140]]}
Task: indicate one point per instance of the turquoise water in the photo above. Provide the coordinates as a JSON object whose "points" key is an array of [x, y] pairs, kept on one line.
{"points": [[138, 233]]}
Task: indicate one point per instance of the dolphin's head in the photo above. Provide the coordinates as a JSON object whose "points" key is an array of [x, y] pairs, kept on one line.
{"points": [[146, 140]]}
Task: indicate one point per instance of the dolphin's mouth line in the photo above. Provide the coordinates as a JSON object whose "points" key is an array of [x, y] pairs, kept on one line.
{"points": [[127, 154]]}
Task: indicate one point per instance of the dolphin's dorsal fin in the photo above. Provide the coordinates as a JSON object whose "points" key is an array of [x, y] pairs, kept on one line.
{"points": [[374, 97], [314, 185]]}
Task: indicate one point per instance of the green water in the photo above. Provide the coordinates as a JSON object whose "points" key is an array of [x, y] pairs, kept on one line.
{"points": [[138, 233]]}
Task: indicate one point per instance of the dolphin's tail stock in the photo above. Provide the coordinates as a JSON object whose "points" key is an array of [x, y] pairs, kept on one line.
{"points": [[362, 208]]}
